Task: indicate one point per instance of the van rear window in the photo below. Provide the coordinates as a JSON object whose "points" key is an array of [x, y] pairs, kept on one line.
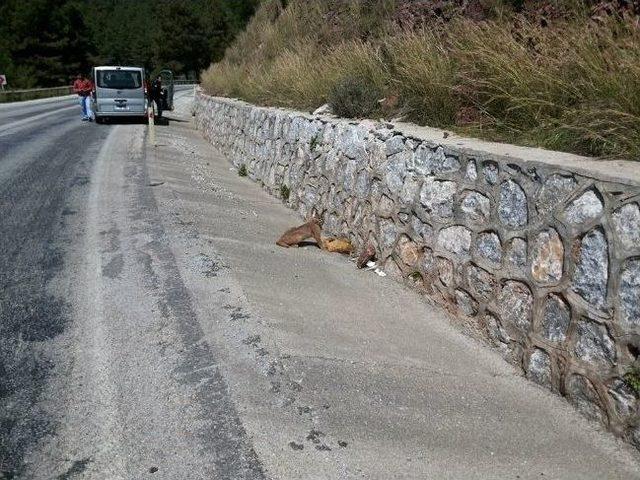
{"points": [[119, 79]]}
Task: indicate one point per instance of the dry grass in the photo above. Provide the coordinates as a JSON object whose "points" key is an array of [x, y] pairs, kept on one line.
{"points": [[573, 85]]}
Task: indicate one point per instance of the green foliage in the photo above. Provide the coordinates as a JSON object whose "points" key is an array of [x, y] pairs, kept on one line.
{"points": [[242, 171], [284, 192], [354, 97], [632, 377], [314, 142], [570, 82], [415, 276], [45, 43]]}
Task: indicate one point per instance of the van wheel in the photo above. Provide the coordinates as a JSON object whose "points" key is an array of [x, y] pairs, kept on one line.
{"points": [[99, 120]]}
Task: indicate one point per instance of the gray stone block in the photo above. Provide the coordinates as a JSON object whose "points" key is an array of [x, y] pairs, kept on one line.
{"points": [[442, 163], [592, 269], [584, 396], [515, 304], [517, 251], [626, 223], [512, 209], [410, 189], [495, 330], [472, 171], [424, 230], [475, 206], [481, 282], [624, 398], [629, 294], [539, 367], [556, 318], [456, 240], [394, 145], [489, 247], [587, 207], [445, 270], [466, 304], [594, 345], [395, 171], [437, 197], [388, 233], [491, 172]]}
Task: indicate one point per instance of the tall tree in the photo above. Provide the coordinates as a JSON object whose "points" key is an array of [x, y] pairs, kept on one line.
{"points": [[224, 19], [121, 31], [180, 39], [45, 42]]}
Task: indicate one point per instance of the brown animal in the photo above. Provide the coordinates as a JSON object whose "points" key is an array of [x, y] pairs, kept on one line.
{"points": [[293, 236], [367, 254], [339, 245]]}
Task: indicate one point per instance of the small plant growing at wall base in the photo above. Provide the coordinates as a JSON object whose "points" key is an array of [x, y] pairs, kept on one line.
{"points": [[632, 377], [284, 192], [415, 276], [242, 171], [314, 143]]}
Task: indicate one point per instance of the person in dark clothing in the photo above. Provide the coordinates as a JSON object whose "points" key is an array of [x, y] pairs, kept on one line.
{"points": [[156, 94]]}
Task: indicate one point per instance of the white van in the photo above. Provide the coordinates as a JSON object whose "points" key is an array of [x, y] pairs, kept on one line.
{"points": [[119, 92]]}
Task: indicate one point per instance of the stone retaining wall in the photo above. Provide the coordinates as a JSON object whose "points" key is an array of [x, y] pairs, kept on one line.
{"points": [[540, 250]]}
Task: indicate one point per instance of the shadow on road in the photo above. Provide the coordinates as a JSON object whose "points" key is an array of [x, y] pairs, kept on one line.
{"points": [[163, 121], [123, 121]]}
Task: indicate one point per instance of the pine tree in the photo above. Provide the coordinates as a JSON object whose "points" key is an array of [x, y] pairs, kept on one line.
{"points": [[46, 42]]}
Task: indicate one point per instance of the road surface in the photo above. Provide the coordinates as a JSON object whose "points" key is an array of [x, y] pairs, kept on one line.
{"points": [[150, 328]]}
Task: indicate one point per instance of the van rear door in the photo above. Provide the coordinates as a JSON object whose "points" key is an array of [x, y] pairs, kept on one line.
{"points": [[120, 91]]}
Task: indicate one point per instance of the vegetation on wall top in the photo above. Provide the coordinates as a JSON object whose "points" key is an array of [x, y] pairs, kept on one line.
{"points": [[560, 74]]}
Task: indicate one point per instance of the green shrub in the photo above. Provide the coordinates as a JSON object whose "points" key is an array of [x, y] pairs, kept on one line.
{"points": [[424, 77], [354, 97], [632, 377], [314, 143], [242, 171], [284, 192], [416, 276]]}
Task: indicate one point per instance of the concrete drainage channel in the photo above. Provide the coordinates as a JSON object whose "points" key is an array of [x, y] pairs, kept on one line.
{"points": [[538, 250]]}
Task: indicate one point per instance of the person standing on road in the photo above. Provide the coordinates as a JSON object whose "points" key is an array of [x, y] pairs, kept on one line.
{"points": [[87, 89], [78, 86], [156, 94], [83, 86]]}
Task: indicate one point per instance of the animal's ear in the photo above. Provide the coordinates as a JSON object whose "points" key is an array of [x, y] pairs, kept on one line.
{"points": [[321, 216], [316, 216]]}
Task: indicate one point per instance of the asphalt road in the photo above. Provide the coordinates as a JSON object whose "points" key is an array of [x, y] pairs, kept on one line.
{"points": [[150, 328], [44, 166], [74, 345]]}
